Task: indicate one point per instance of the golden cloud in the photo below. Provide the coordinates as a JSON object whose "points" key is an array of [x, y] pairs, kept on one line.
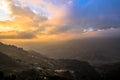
{"points": [[25, 23]]}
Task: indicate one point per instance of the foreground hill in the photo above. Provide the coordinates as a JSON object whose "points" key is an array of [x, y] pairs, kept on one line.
{"points": [[110, 71], [7, 63], [30, 58], [69, 69], [30, 65]]}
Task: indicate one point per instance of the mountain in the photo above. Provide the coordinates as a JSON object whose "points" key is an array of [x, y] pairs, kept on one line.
{"points": [[24, 57], [66, 68], [94, 50], [110, 71], [7, 62]]}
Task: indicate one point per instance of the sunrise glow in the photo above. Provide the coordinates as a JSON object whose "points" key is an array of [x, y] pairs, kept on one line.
{"points": [[48, 20]]}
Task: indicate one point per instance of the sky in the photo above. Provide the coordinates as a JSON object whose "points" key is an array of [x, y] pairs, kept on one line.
{"points": [[53, 20]]}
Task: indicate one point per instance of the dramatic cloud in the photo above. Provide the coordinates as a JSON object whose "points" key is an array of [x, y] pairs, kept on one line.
{"points": [[25, 20], [96, 14], [53, 19]]}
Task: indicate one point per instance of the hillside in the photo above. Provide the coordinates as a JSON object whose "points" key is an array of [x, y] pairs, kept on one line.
{"points": [[34, 66], [9, 64], [30, 58], [67, 68], [110, 71]]}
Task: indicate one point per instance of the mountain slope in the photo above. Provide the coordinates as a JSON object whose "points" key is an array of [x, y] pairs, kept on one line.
{"points": [[110, 71], [24, 57], [32, 59], [7, 63]]}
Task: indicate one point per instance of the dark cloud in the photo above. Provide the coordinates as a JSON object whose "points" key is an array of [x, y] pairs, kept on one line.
{"points": [[21, 35], [94, 14], [26, 35], [98, 14]]}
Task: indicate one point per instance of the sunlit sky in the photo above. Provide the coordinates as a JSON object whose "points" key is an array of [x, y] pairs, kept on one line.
{"points": [[48, 20]]}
